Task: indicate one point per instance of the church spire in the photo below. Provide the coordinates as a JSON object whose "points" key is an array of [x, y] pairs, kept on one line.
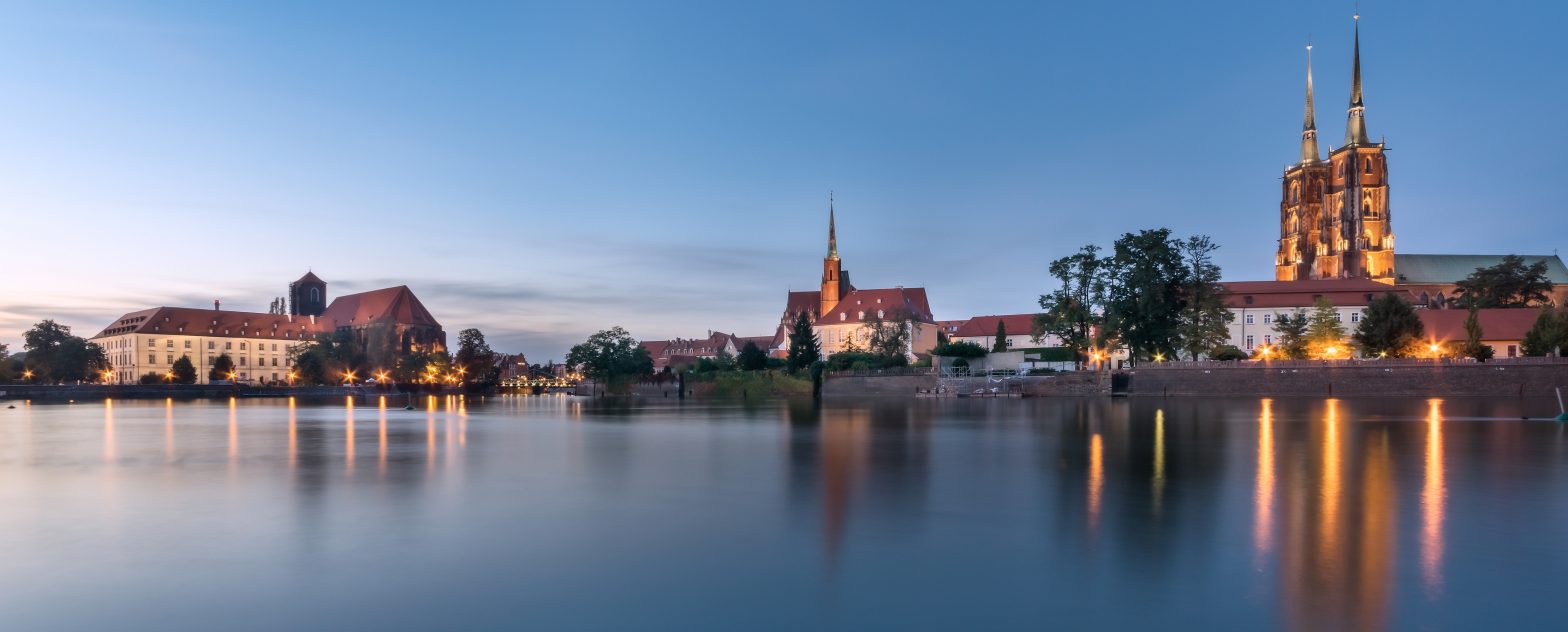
{"points": [[1309, 124], [1356, 127], [832, 231]]}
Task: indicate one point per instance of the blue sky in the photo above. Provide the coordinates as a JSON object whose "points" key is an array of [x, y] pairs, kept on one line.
{"points": [[541, 171]]}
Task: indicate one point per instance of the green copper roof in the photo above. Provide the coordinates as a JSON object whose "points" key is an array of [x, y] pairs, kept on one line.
{"points": [[1453, 268]]}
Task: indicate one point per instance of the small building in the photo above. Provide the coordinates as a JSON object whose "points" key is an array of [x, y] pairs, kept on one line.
{"points": [[681, 353], [981, 330], [1501, 329]]}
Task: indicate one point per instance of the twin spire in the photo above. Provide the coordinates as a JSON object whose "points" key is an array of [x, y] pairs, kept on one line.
{"points": [[1355, 126]]}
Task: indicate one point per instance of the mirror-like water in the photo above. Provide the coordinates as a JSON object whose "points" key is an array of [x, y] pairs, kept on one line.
{"points": [[559, 513]]}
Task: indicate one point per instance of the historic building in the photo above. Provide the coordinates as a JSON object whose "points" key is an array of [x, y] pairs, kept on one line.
{"points": [[842, 315], [1334, 214], [1255, 306], [151, 340]]}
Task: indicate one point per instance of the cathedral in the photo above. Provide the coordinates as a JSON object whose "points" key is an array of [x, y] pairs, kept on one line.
{"points": [[1334, 214]]}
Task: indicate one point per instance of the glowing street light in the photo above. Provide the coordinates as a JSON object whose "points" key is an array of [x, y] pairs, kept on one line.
{"points": [[291, 378], [108, 375]]}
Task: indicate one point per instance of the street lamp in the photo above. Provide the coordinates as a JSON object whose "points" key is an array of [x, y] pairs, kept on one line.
{"points": [[107, 375], [291, 378]]}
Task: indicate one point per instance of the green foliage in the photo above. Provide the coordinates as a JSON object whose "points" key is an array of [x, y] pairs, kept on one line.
{"points": [[1292, 330], [54, 355], [752, 358], [856, 360], [889, 337], [1204, 321], [309, 366], [330, 358], [1144, 295], [1325, 336], [804, 347], [1390, 327], [1054, 354], [941, 337], [959, 349], [960, 364], [759, 384], [184, 371], [150, 377], [1074, 312], [1549, 334], [475, 361], [1472, 346], [1000, 346], [1227, 353], [420, 367], [610, 356], [1510, 283], [222, 368]]}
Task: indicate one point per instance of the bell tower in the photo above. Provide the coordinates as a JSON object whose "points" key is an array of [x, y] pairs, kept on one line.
{"points": [[833, 278], [308, 296]]}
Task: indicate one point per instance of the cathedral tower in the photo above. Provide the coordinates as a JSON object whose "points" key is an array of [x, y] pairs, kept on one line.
{"points": [[308, 296], [833, 281], [1334, 216]]}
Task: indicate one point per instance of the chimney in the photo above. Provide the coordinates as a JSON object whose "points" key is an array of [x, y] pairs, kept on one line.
{"points": [[312, 319], [215, 305], [291, 318]]}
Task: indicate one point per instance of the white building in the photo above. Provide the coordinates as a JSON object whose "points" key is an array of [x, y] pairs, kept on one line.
{"points": [[1255, 306]]}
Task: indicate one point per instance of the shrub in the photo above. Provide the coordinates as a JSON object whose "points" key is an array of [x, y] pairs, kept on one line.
{"points": [[1227, 353], [959, 349]]}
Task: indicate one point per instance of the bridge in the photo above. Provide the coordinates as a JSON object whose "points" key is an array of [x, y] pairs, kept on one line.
{"points": [[539, 382]]}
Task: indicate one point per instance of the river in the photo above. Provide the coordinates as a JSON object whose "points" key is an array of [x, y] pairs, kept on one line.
{"points": [[561, 513]]}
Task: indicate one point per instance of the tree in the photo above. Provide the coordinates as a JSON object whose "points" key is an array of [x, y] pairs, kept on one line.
{"points": [[1325, 335], [1205, 321], [959, 349], [752, 358], [1000, 346], [941, 337], [1075, 312], [1144, 295], [610, 356], [1227, 353], [309, 365], [475, 361], [889, 337], [1548, 336], [1510, 283], [1472, 347], [1390, 327], [1292, 334], [184, 371], [804, 347], [54, 355], [222, 368]]}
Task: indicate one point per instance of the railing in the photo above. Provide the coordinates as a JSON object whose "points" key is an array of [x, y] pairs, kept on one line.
{"points": [[902, 370], [1350, 362]]}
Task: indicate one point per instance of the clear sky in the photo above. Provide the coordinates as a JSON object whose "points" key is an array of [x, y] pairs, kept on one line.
{"points": [[541, 171]]}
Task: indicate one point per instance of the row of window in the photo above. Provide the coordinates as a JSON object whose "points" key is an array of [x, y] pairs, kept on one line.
{"points": [[152, 358], [152, 343], [1355, 317]]}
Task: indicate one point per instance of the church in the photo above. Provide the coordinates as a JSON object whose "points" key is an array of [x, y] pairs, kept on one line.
{"points": [[842, 314], [1335, 216]]}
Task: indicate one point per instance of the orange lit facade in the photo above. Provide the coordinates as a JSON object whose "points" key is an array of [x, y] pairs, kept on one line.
{"points": [[1334, 214]]}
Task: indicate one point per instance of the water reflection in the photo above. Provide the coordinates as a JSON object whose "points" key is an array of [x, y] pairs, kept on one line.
{"points": [[1183, 513]]}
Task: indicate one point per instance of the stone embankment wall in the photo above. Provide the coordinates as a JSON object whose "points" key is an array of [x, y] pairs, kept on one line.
{"points": [[177, 391], [1457, 380]]}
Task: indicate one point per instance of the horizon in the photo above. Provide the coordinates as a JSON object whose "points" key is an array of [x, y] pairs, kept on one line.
{"points": [[544, 173]]}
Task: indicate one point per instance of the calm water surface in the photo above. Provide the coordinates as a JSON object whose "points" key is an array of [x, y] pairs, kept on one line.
{"points": [[558, 513]]}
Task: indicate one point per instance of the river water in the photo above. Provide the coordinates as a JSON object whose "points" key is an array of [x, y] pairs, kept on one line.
{"points": [[557, 513]]}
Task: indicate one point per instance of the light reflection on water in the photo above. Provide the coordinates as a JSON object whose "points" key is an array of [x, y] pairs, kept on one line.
{"points": [[556, 512]]}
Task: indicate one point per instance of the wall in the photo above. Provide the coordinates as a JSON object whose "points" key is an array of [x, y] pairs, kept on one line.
{"points": [[1458, 380]]}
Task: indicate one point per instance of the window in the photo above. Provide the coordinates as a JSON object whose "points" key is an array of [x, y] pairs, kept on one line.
{"points": [[210, 344], [1268, 339], [242, 346], [1249, 341], [242, 360], [1267, 318], [152, 342], [187, 344], [879, 312], [170, 343], [274, 362], [842, 316], [1338, 317], [228, 345], [1513, 351], [1356, 317], [862, 315], [1249, 319], [274, 346], [152, 358]]}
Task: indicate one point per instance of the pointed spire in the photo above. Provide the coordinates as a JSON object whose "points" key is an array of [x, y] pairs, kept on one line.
{"points": [[1309, 124], [1356, 127], [832, 230]]}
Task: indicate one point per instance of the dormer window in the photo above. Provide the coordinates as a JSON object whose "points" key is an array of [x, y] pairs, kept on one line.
{"points": [[879, 312], [862, 315], [842, 316]]}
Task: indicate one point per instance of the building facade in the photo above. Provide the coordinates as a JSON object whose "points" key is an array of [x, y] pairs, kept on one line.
{"points": [[260, 344], [1019, 328], [1335, 214], [1255, 306]]}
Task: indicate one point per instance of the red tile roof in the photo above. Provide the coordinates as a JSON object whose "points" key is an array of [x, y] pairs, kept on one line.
{"points": [[393, 304], [1496, 324], [978, 326], [892, 301], [1340, 292]]}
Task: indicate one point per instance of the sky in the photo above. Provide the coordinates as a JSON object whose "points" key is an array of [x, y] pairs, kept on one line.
{"points": [[541, 171]]}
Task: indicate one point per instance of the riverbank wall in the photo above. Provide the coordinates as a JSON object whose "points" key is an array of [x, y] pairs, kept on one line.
{"points": [[1439, 380], [86, 392]]}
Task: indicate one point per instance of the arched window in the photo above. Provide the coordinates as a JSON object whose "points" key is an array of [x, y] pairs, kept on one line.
{"points": [[315, 295]]}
